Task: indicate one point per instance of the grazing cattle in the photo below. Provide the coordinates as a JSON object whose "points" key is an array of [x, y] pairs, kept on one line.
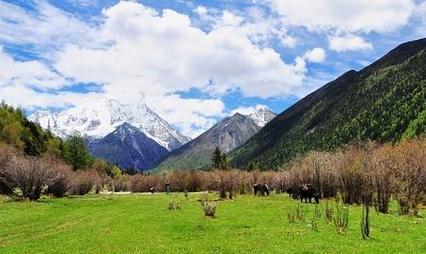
{"points": [[152, 190], [290, 192], [262, 188], [307, 192]]}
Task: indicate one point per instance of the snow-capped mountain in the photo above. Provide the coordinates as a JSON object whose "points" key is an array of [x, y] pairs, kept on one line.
{"points": [[227, 134], [103, 117], [262, 115], [129, 148]]}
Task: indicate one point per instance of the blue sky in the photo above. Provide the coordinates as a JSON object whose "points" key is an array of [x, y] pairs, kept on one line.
{"points": [[193, 62]]}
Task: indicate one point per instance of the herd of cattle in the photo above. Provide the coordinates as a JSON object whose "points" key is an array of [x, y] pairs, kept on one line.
{"points": [[306, 192]]}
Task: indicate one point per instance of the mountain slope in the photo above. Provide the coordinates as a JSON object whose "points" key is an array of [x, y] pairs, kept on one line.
{"points": [[385, 101], [103, 117], [129, 148], [228, 134]]}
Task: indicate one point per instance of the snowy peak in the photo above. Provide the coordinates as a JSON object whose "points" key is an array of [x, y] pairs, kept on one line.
{"points": [[98, 120], [262, 115]]}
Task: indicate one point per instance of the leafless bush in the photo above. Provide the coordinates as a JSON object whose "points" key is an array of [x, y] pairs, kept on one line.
{"points": [[30, 174], [83, 182], [61, 182]]}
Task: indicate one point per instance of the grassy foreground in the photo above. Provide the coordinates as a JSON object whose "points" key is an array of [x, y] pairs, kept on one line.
{"points": [[139, 223]]}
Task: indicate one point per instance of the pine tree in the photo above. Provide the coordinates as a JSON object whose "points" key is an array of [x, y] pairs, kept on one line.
{"points": [[217, 158], [76, 153], [224, 162]]}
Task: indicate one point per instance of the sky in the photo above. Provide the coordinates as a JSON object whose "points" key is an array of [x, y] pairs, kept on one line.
{"points": [[192, 62]]}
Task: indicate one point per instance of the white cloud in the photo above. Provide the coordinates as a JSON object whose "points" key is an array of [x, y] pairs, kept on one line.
{"points": [[348, 43], [316, 55], [28, 73], [247, 110], [349, 16], [154, 51], [44, 28]]}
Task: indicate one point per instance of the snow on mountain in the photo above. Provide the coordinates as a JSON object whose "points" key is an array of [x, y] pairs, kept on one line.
{"points": [[262, 115], [102, 118]]}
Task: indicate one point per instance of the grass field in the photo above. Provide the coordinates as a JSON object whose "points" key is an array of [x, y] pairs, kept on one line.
{"points": [[139, 223]]}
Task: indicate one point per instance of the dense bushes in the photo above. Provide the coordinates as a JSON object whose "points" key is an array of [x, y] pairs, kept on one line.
{"points": [[368, 174]]}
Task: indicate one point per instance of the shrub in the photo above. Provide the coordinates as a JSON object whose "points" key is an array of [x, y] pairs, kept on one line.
{"points": [[61, 182], [29, 174], [83, 182], [210, 209]]}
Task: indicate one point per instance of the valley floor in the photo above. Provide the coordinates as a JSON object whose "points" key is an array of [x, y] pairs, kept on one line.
{"points": [[137, 223]]}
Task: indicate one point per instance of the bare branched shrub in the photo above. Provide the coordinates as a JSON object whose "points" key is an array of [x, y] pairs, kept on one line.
{"points": [[30, 174], [61, 182], [83, 182], [410, 178]]}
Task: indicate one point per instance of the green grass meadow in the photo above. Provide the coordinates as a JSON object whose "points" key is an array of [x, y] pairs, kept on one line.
{"points": [[141, 223]]}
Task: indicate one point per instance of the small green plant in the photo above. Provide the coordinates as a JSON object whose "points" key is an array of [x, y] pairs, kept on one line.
{"points": [[174, 205], [342, 218], [315, 216], [210, 209], [204, 198], [291, 217], [300, 213], [328, 213], [365, 222]]}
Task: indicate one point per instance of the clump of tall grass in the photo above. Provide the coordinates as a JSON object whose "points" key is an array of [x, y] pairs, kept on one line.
{"points": [[174, 205], [341, 219], [328, 213], [210, 209]]}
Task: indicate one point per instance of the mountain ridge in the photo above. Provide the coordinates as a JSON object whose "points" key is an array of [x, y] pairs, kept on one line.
{"points": [[377, 102], [227, 134]]}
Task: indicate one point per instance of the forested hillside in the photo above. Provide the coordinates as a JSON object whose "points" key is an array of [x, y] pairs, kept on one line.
{"points": [[26, 136], [385, 101]]}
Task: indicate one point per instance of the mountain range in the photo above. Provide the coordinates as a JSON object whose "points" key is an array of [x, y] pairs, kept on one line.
{"points": [[135, 137], [385, 101], [227, 135], [98, 120]]}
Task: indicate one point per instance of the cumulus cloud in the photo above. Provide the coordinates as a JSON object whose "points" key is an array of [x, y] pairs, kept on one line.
{"points": [[348, 43], [345, 16], [45, 28], [247, 110], [27, 73], [135, 51], [315, 55], [163, 51]]}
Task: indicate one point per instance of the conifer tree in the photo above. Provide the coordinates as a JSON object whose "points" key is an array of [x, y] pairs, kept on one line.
{"points": [[76, 153]]}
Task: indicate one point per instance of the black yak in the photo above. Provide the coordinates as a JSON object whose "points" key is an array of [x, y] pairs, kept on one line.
{"points": [[262, 188], [307, 192]]}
